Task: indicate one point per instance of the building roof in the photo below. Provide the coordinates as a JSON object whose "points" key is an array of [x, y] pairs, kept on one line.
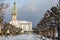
{"points": [[24, 22], [18, 21]]}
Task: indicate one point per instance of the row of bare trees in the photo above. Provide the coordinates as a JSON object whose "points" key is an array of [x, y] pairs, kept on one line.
{"points": [[50, 23], [9, 30], [3, 6], [6, 29]]}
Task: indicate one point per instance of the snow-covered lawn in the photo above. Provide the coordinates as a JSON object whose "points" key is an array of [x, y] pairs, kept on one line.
{"points": [[25, 37]]}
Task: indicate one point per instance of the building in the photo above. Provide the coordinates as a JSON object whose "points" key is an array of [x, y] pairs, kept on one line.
{"points": [[24, 25]]}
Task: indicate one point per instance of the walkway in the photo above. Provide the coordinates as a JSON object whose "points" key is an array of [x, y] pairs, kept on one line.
{"points": [[25, 37]]}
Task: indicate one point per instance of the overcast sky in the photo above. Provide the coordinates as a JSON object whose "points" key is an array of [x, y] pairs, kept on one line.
{"points": [[30, 10]]}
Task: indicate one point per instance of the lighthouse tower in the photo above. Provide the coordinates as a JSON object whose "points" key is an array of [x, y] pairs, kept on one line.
{"points": [[14, 13]]}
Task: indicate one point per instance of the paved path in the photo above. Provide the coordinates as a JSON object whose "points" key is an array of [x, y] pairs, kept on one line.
{"points": [[23, 37]]}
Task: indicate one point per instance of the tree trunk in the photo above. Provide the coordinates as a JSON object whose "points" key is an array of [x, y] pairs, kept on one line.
{"points": [[58, 33], [51, 33], [53, 30], [1, 33]]}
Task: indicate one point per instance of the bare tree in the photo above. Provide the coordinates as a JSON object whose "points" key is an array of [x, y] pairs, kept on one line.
{"points": [[51, 20], [2, 7]]}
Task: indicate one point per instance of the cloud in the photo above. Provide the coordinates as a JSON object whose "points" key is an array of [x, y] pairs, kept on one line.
{"points": [[2, 0], [31, 8], [32, 5], [37, 1]]}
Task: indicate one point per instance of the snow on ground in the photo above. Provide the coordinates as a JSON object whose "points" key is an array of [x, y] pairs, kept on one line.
{"points": [[25, 37]]}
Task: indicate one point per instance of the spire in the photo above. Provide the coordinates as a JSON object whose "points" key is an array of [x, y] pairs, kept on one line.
{"points": [[14, 12], [14, 8]]}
